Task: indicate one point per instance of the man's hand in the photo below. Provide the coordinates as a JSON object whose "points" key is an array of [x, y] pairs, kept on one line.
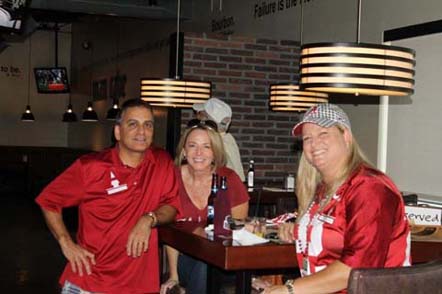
{"points": [[138, 241], [79, 258]]}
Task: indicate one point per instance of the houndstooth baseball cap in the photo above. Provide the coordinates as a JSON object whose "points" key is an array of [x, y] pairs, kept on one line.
{"points": [[324, 115]]}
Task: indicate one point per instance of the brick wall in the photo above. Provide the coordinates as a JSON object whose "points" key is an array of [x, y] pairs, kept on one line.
{"points": [[241, 69]]}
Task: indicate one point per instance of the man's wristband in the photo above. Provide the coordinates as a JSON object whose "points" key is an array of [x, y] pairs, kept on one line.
{"points": [[154, 218]]}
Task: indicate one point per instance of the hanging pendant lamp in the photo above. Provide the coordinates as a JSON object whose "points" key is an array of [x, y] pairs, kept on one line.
{"points": [[289, 97], [69, 115], [174, 92], [27, 116], [113, 111], [89, 115], [358, 68]]}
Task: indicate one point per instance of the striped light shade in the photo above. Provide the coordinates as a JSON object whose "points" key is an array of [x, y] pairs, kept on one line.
{"points": [[288, 97], [174, 92], [357, 68]]}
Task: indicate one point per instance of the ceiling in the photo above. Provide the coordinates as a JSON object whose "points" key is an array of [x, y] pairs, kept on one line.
{"points": [[70, 10], [48, 14]]}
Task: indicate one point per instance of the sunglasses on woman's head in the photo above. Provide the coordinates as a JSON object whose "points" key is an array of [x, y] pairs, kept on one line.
{"points": [[195, 123]]}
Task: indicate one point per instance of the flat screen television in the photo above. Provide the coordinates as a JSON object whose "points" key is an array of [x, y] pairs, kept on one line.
{"points": [[12, 15], [51, 80]]}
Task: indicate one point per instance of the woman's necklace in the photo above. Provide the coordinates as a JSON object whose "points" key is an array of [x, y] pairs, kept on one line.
{"points": [[324, 201]]}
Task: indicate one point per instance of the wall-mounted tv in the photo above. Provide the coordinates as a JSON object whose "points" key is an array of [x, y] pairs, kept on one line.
{"points": [[51, 80]]}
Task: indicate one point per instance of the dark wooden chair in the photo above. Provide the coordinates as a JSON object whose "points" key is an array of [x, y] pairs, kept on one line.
{"points": [[421, 278]]}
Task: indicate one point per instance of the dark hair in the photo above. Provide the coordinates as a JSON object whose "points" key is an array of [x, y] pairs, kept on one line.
{"points": [[136, 102]]}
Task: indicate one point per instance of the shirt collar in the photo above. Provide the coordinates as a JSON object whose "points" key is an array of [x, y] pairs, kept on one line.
{"points": [[148, 156]]}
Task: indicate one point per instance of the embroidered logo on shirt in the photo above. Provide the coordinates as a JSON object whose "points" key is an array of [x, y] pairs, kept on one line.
{"points": [[116, 187]]}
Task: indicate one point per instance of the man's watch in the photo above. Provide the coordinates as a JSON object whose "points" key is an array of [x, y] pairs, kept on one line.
{"points": [[154, 218]]}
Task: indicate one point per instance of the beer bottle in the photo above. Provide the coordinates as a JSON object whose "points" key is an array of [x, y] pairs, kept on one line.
{"points": [[211, 201], [251, 175]]}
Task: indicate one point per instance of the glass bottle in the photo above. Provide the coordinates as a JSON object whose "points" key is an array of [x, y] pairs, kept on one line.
{"points": [[223, 183], [251, 175], [211, 201]]}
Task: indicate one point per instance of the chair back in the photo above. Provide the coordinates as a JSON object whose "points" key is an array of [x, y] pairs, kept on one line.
{"points": [[421, 278]]}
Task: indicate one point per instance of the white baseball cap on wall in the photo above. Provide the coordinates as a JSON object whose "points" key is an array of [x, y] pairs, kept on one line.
{"points": [[216, 109]]}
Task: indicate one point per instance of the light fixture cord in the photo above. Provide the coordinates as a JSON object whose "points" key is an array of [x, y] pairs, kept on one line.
{"points": [[92, 72], [301, 27], [177, 37], [358, 29], [117, 60], [117, 49], [56, 43], [29, 70]]}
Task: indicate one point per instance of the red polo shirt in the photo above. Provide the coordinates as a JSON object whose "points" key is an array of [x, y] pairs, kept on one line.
{"points": [[363, 226], [111, 198]]}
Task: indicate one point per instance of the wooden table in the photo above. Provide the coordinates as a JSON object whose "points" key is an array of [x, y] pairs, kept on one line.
{"points": [[190, 239]]}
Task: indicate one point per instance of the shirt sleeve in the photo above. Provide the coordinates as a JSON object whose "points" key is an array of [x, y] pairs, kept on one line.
{"points": [[233, 155], [66, 190], [170, 186], [236, 190], [370, 216]]}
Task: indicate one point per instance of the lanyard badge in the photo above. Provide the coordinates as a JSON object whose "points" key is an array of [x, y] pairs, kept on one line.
{"points": [[326, 218]]}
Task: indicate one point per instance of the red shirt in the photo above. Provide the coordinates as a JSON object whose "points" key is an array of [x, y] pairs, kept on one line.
{"points": [[364, 225], [236, 194], [111, 198]]}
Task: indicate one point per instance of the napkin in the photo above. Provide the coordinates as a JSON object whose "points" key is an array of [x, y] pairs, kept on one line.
{"points": [[245, 238]]}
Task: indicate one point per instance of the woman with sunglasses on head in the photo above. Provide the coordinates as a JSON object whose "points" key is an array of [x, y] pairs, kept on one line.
{"points": [[200, 154], [351, 215]]}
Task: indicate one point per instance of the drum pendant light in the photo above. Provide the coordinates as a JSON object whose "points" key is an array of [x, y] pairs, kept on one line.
{"points": [[27, 116], [358, 68], [289, 97], [174, 92]]}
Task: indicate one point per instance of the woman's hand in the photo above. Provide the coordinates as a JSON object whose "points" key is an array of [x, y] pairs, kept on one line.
{"points": [[285, 232], [170, 283], [260, 284]]}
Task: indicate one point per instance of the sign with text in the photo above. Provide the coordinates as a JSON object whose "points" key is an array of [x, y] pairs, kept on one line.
{"points": [[423, 215]]}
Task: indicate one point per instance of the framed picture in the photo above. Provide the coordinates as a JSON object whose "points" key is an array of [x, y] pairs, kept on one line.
{"points": [[99, 90], [117, 86]]}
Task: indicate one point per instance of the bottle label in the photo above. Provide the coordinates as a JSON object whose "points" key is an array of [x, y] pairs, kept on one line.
{"points": [[210, 213], [250, 178]]}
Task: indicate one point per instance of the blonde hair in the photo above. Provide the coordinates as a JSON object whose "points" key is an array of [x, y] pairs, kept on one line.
{"points": [[216, 142], [308, 178]]}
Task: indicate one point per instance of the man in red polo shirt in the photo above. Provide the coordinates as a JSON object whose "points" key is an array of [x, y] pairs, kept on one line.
{"points": [[122, 193]]}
